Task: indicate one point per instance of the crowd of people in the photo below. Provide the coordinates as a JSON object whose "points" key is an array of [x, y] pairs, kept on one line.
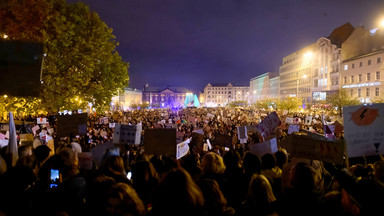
{"points": [[214, 182]]}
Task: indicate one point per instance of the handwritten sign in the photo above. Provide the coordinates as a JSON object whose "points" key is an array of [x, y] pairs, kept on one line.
{"points": [[182, 149], [314, 147], [269, 123], [363, 129]]}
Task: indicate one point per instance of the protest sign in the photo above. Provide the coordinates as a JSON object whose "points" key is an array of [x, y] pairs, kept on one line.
{"points": [[242, 134], [160, 141], [103, 120], [112, 125], [315, 147], [128, 134], [2, 136], [3, 142], [197, 142], [269, 123], [223, 140], [259, 149], [72, 125], [41, 120], [26, 137], [363, 129], [85, 160], [308, 120], [182, 149], [293, 128]]}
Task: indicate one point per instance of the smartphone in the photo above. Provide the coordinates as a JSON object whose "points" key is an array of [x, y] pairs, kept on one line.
{"points": [[55, 178], [129, 175]]}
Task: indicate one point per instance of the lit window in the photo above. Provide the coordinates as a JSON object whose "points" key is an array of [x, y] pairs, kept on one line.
{"points": [[345, 67]]}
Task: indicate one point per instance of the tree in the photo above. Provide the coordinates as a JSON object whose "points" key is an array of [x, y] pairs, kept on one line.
{"points": [[289, 104], [265, 104], [340, 99], [81, 65]]}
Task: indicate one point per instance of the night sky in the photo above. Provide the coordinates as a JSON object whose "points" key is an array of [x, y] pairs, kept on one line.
{"points": [[191, 43]]}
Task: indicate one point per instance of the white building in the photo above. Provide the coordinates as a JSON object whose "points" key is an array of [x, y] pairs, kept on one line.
{"points": [[362, 66], [223, 94], [127, 97]]}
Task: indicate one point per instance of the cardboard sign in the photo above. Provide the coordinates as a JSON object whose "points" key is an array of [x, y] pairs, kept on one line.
{"points": [[182, 149], [259, 149], [85, 160], [363, 130], [314, 147], [68, 125], [269, 123], [223, 140], [242, 134], [160, 141], [129, 134]]}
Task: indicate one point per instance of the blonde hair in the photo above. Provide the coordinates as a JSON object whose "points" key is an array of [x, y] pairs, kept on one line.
{"points": [[213, 163]]}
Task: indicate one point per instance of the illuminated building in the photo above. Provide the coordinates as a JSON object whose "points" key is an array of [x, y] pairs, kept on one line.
{"points": [[127, 97], [222, 94], [313, 71], [167, 97], [362, 67], [264, 86]]}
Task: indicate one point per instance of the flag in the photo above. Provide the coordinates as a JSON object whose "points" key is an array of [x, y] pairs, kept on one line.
{"points": [[12, 145]]}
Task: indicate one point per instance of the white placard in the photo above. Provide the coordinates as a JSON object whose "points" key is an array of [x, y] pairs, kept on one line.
{"points": [[182, 149], [363, 130]]}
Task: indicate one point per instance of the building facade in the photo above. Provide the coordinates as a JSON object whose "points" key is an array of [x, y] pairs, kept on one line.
{"points": [[222, 94], [169, 97], [127, 98], [362, 66], [264, 86], [314, 71]]}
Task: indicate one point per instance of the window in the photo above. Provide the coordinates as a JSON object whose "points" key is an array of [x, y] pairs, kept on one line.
{"points": [[345, 80], [377, 75], [368, 91], [359, 93], [361, 64], [337, 81], [368, 76], [369, 62], [360, 77], [377, 91], [345, 67], [352, 80], [379, 60], [353, 66]]}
